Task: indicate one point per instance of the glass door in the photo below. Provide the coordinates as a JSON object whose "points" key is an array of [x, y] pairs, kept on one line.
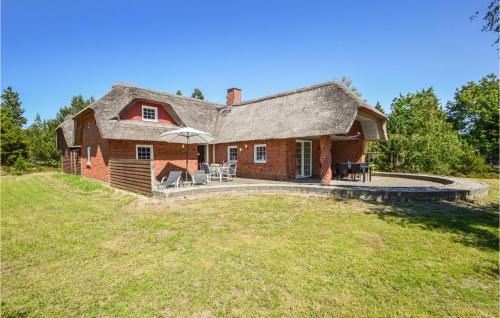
{"points": [[303, 157]]}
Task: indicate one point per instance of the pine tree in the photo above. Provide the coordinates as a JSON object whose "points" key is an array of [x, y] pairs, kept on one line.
{"points": [[197, 94], [379, 107], [77, 104], [41, 146], [348, 83], [12, 104], [178, 93], [13, 138]]}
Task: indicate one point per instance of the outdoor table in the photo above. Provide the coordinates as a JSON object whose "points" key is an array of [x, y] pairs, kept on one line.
{"points": [[366, 169], [216, 169]]}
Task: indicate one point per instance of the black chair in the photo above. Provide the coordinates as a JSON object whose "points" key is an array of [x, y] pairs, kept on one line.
{"points": [[357, 170], [366, 170], [342, 170]]}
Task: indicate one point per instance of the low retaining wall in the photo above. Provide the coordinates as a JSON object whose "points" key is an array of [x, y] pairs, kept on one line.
{"points": [[425, 177], [454, 189]]}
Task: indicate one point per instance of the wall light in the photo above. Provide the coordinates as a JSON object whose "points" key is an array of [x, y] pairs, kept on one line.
{"points": [[246, 146]]}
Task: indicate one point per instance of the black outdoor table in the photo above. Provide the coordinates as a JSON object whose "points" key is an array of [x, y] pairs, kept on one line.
{"points": [[366, 169]]}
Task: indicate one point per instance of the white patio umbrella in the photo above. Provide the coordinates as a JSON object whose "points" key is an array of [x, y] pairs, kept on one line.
{"points": [[187, 135]]}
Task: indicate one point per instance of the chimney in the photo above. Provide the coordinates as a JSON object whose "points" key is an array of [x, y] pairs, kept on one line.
{"points": [[233, 96]]}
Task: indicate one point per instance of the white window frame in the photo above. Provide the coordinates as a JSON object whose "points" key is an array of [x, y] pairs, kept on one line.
{"points": [[149, 107], [229, 151], [255, 153], [89, 160], [144, 146]]}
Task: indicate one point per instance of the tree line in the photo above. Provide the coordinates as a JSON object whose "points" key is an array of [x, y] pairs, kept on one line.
{"points": [[425, 137], [35, 145]]}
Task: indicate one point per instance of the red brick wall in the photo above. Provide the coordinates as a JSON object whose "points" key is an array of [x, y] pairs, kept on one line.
{"points": [[315, 158], [99, 150], [134, 112], [278, 163], [166, 156], [356, 130], [325, 159], [350, 150], [343, 151]]}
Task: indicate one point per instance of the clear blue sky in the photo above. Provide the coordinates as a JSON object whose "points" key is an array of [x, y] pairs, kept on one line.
{"points": [[52, 50]]}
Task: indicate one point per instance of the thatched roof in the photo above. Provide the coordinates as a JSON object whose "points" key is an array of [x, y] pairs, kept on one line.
{"points": [[324, 109], [67, 129]]}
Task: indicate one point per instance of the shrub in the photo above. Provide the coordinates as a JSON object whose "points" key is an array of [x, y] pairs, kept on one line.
{"points": [[21, 166], [471, 162]]}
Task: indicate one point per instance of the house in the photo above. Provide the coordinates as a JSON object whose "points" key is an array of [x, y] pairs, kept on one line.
{"points": [[70, 153], [294, 134]]}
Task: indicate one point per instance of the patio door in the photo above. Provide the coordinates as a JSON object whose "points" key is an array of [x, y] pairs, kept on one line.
{"points": [[303, 156], [202, 154]]}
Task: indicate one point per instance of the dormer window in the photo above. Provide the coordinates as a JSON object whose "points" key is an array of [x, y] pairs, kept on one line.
{"points": [[149, 113]]}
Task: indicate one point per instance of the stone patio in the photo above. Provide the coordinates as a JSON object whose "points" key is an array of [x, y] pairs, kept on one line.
{"points": [[383, 187]]}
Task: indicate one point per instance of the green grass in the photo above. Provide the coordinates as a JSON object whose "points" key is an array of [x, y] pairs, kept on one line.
{"points": [[73, 247]]}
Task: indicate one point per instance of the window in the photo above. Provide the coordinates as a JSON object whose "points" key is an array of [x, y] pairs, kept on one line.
{"points": [[149, 113], [232, 153], [88, 156], [144, 152], [259, 154]]}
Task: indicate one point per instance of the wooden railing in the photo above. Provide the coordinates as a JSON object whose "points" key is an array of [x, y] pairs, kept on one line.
{"points": [[71, 163], [132, 175]]}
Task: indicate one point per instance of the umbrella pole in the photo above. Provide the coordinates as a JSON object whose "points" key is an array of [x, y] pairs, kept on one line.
{"points": [[187, 156]]}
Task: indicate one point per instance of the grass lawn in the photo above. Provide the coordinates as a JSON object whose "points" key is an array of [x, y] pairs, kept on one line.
{"points": [[73, 247]]}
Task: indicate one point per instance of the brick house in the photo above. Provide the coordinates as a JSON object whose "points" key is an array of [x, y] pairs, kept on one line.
{"points": [[294, 134]]}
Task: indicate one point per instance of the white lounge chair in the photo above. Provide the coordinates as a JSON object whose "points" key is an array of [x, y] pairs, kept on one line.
{"points": [[199, 177], [174, 179]]}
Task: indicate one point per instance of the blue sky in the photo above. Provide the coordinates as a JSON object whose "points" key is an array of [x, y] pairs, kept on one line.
{"points": [[52, 50]]}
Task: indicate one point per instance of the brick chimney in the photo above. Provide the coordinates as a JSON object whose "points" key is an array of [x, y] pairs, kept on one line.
{"points": [[233, 96]]}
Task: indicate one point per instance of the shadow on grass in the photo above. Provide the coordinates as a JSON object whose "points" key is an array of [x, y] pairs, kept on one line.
{"points": [[8, 312], [474, 225]]}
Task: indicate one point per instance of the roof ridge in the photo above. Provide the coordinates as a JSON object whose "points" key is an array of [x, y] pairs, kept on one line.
{"points": [[289, 92], [337, 83], [167, 94]]}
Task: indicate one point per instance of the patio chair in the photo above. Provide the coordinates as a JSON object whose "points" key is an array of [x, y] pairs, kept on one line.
{"points": [[209, 171], [367, 170], [342, 170], [336, 170], [357, 170], [174, 179], [229, 170], [199, 177]]}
